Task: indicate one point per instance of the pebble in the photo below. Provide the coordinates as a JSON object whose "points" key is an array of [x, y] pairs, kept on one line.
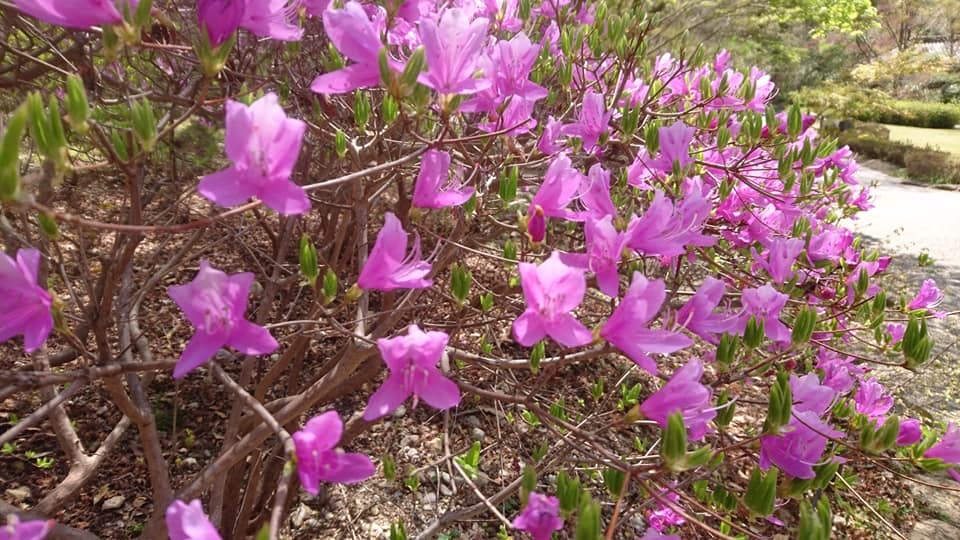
{"points": [[429, 498], [19, 494], [477, 434], [190, 462], [113, 503], [446, 490], [472, 421], [435, 445], [399, 412]]}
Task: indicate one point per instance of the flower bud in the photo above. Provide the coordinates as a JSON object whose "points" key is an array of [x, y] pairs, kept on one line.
{"points": [[219, 19], [308, 260], [537, 225], [9, 153]]}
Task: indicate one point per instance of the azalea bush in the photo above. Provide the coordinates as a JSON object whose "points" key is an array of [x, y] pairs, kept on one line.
{"points": [[288, 204]]}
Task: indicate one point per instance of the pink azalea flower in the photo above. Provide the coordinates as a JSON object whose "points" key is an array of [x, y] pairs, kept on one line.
{"points": [[263, 145], [664, 516], [604, 247], [355, 36], [765, 303], [910, 432], [838, 372], [595, 193], [872, 400], [412, 360], [214, 303], [453, 47], [685, 394], [24, 304], [653, 534], [626, 329], [675, 146], [507, 68], [799, 446], [667, 229], [552, 131], [928, 296], [74, 13], [432, 189], [810, 395], [219, 18], [389, 267], [592, 123], [541, 517], [948, 449], [699, 313], [188, 522], [315, 8], [273, 19], [896, 331], [319, 460], [552, 291], [560, 186], [781, 255]]}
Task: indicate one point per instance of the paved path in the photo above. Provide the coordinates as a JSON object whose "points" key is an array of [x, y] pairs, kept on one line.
{"points": [[905, 221]]}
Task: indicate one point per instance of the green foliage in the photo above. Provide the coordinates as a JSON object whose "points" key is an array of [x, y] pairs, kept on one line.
{"points": [[470, 462]]}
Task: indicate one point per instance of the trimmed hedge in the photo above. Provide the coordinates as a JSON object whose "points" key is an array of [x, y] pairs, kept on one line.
{"points": [[921, 164], [914, 113]]}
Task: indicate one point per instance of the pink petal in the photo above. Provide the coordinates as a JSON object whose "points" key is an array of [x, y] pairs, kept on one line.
{"points": [[347, 79], [239, 132], [528, 328], [37, 330], [227, 188], [349, 469], [248, 338], [387, 398], [568, 331], [352, 33], [327, 428], [28, 260], [285, 197], [199, 350], [440, 392]]}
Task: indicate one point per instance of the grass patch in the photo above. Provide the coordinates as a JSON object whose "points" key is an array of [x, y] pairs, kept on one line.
{"points": [[945, 140]]}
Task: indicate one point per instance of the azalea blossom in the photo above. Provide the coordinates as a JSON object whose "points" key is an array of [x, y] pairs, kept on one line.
{"points": [[764, 304], [595, 193], [699, 314], [79, 14], [506, 66], [189, 522], [540, 517], [272, 18], [552, 291], [389, 267], [560, 186], [412, 360], [799, 446], [928, 296], [948, 449], [24, 303], [685, 394], [810, 395], [220, 18], [593, 121], [263, 145], [667, 229], [626, 329], [355, 36], [781, 255], [872, 400], [674, 142], [433, 189], [604, 246], [663, 515], [453, 47], [910, 432], [319, 460], [214, 303]]}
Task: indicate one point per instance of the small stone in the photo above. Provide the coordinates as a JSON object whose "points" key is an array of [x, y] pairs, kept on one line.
{"points": [[934, 528], [477, 434], [435, 445], [472, 421], [429, 498], [399, 412], [190, 463], [481, 480], [446, 490], [113, 503], [19, 494], [301, 515], [223, 354]]}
